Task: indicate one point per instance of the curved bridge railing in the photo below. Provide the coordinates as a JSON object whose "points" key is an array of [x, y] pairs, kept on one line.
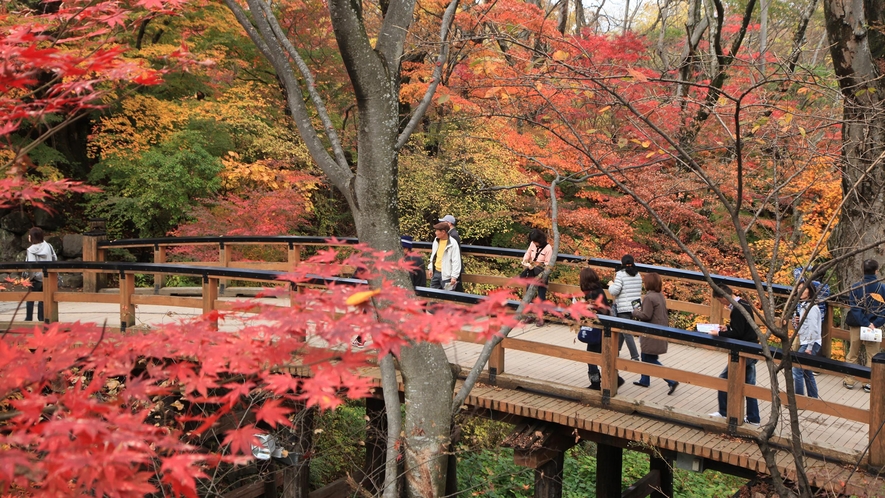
{"points": [[738, 352]]}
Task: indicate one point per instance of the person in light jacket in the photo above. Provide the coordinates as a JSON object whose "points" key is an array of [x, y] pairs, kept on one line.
{"points": [[624, 289], [653, 310], [445, 259], [809, 336], [38, 251]]}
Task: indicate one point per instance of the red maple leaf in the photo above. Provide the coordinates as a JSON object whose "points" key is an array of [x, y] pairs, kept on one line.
{"points": [[273, 413], [242, 439]]}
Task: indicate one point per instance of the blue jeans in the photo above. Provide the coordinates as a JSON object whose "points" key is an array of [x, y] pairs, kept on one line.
{"points": [[801, 377], [651, 358], [752, 403]]}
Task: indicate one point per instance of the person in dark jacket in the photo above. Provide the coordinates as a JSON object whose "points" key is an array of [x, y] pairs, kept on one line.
{"points": [[866, 311], [594, 295], [738, 328], [416, 274], [653, 310]]}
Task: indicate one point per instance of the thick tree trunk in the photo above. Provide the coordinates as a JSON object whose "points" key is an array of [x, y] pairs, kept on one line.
{"points": [[857, 49]]}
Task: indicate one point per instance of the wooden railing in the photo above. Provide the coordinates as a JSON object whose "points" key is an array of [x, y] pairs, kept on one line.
{"points": [[738, 351], [96, 250]]}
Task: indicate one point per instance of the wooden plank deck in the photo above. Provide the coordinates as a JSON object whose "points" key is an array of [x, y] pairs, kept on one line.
{"points": [[689, 406]]}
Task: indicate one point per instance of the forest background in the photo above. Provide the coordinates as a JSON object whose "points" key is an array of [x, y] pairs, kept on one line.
{"points": [[528, 93], [210, 151]]}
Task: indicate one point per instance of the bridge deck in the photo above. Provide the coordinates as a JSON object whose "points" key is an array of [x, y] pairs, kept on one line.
{"points": [[680, 422]]}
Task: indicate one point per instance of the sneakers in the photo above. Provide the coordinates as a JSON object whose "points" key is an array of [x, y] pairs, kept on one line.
{"points": [[716, 415], [594, 386], [620, 381], [847, 385], [672, 389], [357, 343], [754, 424], [640, 384], [866, 388]]}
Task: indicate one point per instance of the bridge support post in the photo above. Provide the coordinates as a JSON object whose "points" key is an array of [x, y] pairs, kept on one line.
{"points": [[159, 258], [50, 305], [548, 477], [609, 464], [662, 462], [294, 256], [376, 445], [609, 367], [737, 367], [877, 411], [296, 477], [127, 309]]}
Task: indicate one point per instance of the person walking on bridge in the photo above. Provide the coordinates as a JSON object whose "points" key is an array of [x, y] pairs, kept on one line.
{"points": [[738, 328], [625, 289], [653, 310], [867, 301], [806, 321], [594, 296]]}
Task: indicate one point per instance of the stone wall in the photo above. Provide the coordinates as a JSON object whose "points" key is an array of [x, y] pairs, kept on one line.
{"points": [[14, 226]]}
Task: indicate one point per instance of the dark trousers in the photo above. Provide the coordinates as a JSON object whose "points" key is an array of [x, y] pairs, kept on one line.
{"points": [[36, 286], [437, 283], [651, 358], [752, 404], [593, 370]]}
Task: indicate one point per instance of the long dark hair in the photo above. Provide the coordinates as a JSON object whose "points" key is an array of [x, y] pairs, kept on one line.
{"points": [[629, 265]]}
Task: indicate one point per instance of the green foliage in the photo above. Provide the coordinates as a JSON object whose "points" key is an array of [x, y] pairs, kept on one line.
{"points": [[485, 469], [339, 443], [455, 182], [152, 192]]}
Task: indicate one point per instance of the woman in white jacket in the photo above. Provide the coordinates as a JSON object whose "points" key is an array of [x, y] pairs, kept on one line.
{"points": [[38, 251], [624, 289]]}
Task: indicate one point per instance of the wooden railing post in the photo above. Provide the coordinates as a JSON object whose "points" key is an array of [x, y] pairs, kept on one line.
{"points": [[127, 309], [224, 259], [50, 305], [826, 333], [159, 258], [210, 295], [93, 281], [496, 363], [877, 411], [717, 310], [737, 367], [609, 368], [294, 256]]}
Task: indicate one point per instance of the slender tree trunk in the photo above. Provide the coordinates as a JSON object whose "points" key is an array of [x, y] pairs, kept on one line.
{"points": [[858, 52]]}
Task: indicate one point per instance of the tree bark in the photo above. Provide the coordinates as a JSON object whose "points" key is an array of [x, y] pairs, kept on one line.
{"points": [[857, 49]]}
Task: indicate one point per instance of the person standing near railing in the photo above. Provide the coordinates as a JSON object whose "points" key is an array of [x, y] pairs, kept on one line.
{"points": [[809, 337], [445, 259], [454, 235], [624, 289], [653, 310], [535, 260], [594, 296], [867, 301], [38, 251], [738, 328]]}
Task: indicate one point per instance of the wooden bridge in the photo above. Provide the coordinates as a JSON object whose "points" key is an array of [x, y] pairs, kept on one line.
{"points": [[537, 376]]}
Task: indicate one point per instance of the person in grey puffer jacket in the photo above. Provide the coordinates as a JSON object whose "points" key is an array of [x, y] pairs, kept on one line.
{"points": [[38, 251], [624, 289]]}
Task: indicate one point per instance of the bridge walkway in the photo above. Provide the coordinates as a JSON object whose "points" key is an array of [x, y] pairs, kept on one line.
{"points": [[539, 386]]}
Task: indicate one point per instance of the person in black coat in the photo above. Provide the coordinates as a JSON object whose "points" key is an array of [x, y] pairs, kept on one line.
{"points": [[738, 328]]}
